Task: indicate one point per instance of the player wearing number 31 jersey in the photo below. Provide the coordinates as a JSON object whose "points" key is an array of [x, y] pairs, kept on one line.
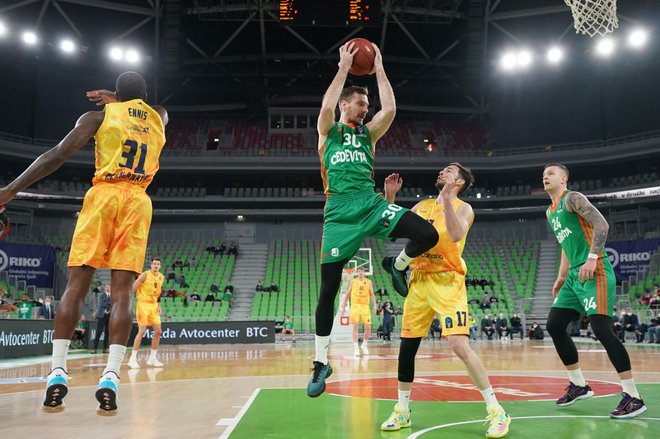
{"points": [[113, 225]]}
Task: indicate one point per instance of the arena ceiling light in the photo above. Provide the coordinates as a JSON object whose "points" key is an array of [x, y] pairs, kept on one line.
{"points": [[508, 62], [605, 47], [132, 56], [3, 29], [638, 38], [29, 38], [116, 54], [555, 55], [67, 46], [524, 58]]}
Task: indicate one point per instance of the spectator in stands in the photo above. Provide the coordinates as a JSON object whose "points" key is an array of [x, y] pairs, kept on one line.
{"points": [[221, 250], [274, 288], [535, 332], [228, 294], [78, 338], [47, 310], [195, 297], [487, 326], [398, 311], [233, 249], [209, 297], [492, 298], [388, 320], [25, 306], [629, 323], [230, 288], [171, 292], [169, 274], [516, 325], [178, 263], [259, 287], [186, 264], [474, 327], [484, 283], [214, 288], [102, 316], [379, 306], [287, 328], [6, 304], [654, 302], [616, 321], [654, 330], [502, 326], [645, 300], [182, 282], [436, 328], [485, 302], [381, 292], [193, 263]]}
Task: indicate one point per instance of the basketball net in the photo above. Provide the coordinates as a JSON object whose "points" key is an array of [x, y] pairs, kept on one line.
{"points": [[591, 17]]}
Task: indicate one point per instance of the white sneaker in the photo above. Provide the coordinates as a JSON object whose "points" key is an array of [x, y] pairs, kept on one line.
{"points": [[365, 349], [153, 362], [356, 351], [132, 363]]}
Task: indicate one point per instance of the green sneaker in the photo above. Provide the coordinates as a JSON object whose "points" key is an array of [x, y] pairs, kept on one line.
{"points": [[398, 277], [400, 418], [316, 385]]}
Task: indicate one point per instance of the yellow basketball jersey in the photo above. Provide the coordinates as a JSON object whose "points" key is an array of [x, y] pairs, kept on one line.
{"points": [[150, 289], [360, 291], [128, 143], [446, 255]]}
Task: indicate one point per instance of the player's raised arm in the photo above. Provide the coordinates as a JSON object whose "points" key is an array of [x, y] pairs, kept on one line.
{"points": [[327, 115], [383, 119], [458, 222], [51, 160]]}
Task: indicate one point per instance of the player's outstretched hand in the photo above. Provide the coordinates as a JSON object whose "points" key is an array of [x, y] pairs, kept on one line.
{"points": [[393, 183], [102, 96], [346, 54], [449, 186], [378, 59]]}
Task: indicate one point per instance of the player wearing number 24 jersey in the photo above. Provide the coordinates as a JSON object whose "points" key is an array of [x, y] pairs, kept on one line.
{"points": [[113, 224]]}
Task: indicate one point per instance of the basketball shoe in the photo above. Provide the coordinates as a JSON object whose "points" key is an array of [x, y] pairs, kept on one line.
{"points": [[498, 421], [316, 385], [365, 349], [573, 393], [107, 394], [398, 277], [400, 418], [56, 390], [153, 361], [629, 407]]}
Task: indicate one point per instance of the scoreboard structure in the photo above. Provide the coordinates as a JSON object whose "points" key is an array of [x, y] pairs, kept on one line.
{"points": [[329, 12]]}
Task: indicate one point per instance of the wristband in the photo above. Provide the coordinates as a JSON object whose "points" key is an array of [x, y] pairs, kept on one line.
{"points": [[592, 256]]}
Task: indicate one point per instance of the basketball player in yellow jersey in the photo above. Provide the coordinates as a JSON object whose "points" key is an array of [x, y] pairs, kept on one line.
{"points": [[437, 286], [360, 290], [113, 224], [147, 312]]}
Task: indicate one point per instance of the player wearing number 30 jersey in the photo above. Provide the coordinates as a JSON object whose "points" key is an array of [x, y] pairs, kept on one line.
{"points": [[113, 225]]}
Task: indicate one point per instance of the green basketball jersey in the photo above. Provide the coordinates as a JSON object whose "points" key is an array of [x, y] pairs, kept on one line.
{"points": [[347, 160], [572, 231], [25, 310]]}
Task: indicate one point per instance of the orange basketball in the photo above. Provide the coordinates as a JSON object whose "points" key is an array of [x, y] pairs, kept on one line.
{"points": [[363, 61]]}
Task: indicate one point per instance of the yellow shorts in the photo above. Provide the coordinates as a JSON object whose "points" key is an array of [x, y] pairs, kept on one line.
{"points": [[112, 228], [430, 294], [146, 314], [360, 314]]}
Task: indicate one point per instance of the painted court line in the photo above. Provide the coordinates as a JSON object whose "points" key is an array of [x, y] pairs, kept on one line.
{"points": [[453, 424], [233, 422]]}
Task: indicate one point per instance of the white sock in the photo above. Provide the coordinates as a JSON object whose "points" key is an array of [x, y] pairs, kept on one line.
{"points": [[489, 396], [630, 388], [322, 343], [153, 353], [60, 350], [364, 342], [576, 377], [356, 345], [404, 398], [402, 261], [133, 355], [115, 358]]}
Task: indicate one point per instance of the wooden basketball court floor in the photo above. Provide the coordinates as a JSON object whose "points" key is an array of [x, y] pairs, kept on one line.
{"points": [[255, 391]]}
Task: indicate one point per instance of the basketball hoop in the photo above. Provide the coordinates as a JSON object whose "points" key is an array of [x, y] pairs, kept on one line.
{"points": [[349, 272], [593, 17]]}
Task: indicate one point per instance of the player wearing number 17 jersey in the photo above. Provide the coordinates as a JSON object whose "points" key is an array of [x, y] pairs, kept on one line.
{"points": [[113, 225], [437, 287], [585, 283]]}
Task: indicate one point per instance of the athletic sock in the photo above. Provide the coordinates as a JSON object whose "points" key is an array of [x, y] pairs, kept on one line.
{"points": [[489, 396], [133, 355], [115, 358], [576, 377], [153, 353], [404, 398], [322, 343], [630, 388], [402, 261], [60, 350]]}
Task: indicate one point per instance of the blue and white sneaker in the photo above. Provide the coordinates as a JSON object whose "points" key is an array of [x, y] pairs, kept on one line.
{"points": [[107, 394], [56, 390]]}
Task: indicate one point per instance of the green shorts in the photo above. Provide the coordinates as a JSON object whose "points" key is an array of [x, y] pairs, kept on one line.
{"points": [[348, 219], [595, 296]]}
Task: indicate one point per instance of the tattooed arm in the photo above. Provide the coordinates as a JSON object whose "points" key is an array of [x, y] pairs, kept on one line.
{"points": [[578, 203]]}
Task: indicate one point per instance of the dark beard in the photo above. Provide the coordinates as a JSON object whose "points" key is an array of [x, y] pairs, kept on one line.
{"points": [[439, 185]]}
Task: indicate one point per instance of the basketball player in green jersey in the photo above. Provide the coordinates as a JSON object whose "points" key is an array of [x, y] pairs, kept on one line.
{"points": [[353, 210], [585, 283]]}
